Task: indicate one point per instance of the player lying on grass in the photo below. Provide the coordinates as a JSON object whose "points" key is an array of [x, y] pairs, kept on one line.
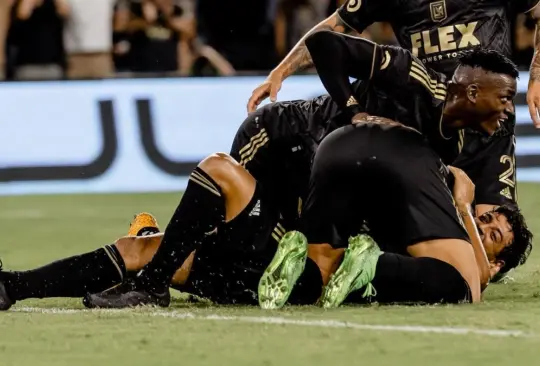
{"points": [[472, 100], [385, 177], [224, 265], [460, 112], [479, 153]]}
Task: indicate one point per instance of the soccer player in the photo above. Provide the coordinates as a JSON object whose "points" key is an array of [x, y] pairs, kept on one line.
{"points": [[434, 31], [280, 138], [480, 155], [225, 265], [437, 32], [458, 113], [383, 175], [276, 144]]}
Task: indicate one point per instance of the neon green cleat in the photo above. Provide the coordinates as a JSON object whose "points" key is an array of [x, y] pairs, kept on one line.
{"points": [[356, 271], [280, 276]]}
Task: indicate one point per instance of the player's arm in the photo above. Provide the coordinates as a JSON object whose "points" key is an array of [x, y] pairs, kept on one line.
{"points": [[298, 58], [533, 93], [353, 17], [337, 57], [464, 195]]}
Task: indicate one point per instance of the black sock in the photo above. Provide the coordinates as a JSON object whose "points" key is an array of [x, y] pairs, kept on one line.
{"points": [[403, 279], [308, 288], [200, 212], [71, 277]]}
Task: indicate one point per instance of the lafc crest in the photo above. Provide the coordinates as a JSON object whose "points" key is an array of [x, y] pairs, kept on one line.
{"points": [[438, 10]]}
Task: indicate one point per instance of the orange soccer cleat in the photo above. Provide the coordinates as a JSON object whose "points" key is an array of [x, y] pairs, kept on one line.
{"points": [[143, 224]]}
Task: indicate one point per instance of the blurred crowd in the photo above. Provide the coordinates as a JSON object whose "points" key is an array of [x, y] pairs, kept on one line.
{"points": [[78, 39]]}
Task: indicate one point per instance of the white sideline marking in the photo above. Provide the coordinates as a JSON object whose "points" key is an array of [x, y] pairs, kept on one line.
{"points": [[324, 323]]}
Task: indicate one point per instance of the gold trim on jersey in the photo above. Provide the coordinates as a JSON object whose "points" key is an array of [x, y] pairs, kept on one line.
{"points": [[440, 124], [344, 22], [373, 61], [419, 72], [201, 180], [111, 257], [386, 60], [278, 232], [461, 140], [531, 9], [247, 153]]}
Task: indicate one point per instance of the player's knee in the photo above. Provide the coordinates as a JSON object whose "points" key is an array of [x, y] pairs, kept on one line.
{"points": [[229, 175], [220, 166]]}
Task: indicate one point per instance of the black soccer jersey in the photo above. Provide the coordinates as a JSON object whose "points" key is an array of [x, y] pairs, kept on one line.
{"points": [[416, 99], [490, 163], [436, 31], [401, 88]]}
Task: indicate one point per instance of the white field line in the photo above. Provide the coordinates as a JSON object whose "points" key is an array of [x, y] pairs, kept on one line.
{"points": [[323, 323]]}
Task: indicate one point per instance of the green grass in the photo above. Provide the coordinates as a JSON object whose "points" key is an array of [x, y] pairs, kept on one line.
{"points": [[39, 229]]}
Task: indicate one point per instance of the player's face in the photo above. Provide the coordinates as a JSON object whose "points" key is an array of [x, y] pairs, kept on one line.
{"points": [[494, 95], [496, 233]]}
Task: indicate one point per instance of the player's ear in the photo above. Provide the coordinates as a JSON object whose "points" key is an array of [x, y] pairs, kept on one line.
{"points": [[472, 92]]}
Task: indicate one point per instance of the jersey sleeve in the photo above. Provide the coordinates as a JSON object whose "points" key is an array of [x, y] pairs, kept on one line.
{"points": [[524, 6], [359, 14], [401, 73]]}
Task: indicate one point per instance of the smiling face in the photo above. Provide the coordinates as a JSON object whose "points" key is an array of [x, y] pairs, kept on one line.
{"points": [[495, 232], [480, 98]]}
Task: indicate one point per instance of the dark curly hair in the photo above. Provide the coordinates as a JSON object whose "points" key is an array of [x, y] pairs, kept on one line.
{"points": [[489, 60], [518, 252]]}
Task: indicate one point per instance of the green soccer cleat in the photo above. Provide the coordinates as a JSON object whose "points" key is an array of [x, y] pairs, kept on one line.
{"points": [[280, 276], [356, 271]]}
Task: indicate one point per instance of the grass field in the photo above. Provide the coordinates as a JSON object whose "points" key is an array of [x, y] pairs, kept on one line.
{"points": [[504, 330]]}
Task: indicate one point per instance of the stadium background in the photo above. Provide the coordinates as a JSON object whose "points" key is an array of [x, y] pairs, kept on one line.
{"points": [[83, 134], [78, 157]]}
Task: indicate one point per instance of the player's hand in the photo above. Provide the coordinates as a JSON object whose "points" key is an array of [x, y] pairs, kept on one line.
{"points": [[360, 118], [533, 100], [495, 268], [269, 88], [463, 187]]}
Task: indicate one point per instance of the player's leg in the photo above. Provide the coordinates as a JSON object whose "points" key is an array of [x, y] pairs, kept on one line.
{"points": [[219, 190], [418, 217], [69, 277], [330, 184], [89, 272]]}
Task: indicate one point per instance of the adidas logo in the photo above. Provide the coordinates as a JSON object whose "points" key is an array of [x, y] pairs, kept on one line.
{"points": [[351, 101], [256, 210], [506, 193]]}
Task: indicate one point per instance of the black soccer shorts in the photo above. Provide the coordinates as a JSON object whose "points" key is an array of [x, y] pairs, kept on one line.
{"points": [[385, 179], [227, 268]]}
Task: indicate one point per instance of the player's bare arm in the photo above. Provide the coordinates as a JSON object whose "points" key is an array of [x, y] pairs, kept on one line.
{"points": [[298, 59], [533, 93], [464, 195]]}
